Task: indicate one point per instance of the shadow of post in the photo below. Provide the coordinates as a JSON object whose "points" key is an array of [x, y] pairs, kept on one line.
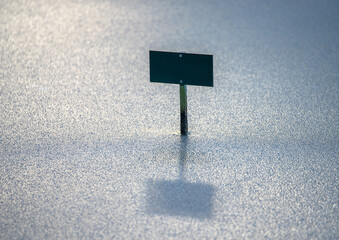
{"points": [[178, 197]]}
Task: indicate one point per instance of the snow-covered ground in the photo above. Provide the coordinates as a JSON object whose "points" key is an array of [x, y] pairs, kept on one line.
{"points": [[90, 149]]}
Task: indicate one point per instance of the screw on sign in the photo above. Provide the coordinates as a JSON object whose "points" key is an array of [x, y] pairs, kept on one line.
{"points": [[183, 69]]}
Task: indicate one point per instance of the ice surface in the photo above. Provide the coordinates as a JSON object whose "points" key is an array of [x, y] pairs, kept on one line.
{"points": [[89, 148]]}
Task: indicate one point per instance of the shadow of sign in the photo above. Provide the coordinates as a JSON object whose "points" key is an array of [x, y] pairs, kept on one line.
{"points": [[179, 197]]}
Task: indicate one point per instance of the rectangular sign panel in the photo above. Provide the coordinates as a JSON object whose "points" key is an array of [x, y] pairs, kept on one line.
{"points": [[181, 68]]}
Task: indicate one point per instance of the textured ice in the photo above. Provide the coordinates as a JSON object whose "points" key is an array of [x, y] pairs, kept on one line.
{"points": [[90, 149]]}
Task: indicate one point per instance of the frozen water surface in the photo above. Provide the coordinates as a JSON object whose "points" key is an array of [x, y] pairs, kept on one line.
{"points": [[90, 149]]}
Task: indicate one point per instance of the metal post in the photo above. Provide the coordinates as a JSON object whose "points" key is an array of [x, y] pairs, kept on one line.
{"points": [[183, 109]]}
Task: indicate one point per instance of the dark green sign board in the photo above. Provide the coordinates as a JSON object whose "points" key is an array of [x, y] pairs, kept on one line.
{"points": [[181, 68]]}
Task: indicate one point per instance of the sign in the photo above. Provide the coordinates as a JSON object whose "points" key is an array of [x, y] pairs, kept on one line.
{"points": [[181, 68]]}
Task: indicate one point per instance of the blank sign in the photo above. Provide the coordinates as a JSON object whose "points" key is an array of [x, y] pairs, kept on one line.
{"points": [[181, 68]]}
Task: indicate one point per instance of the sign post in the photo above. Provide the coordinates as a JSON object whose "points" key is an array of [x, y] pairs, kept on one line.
{"points": [[183, 109], [183, 69]]}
